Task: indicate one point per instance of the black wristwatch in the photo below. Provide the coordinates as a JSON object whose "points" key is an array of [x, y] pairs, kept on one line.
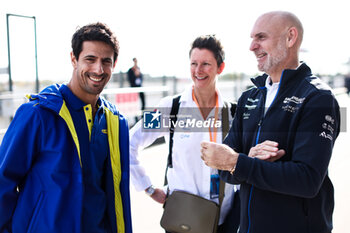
{"points": [[150, 190]]}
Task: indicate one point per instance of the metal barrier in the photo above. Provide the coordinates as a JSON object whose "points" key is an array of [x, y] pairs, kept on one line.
{"points": [[110, 92]]}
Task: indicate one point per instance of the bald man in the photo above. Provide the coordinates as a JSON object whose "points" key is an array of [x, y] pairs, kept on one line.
{"points": [[281, 140]]}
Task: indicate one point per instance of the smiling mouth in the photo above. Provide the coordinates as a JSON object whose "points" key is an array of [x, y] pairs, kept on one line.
{"points": [[260, 56], [201, 78], [95, 78]]}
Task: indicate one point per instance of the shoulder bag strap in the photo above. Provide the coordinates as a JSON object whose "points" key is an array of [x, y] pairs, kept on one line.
{"points": [[225, 128], [173, 118]]}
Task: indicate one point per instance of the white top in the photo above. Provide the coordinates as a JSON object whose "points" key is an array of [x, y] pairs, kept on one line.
{"points": [[272, 89], [189, 173]]}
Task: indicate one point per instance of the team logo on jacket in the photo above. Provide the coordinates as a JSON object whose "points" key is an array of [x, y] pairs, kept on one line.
{"points": [[293, 99], [292, 104], [251, 104], [152, 119]]}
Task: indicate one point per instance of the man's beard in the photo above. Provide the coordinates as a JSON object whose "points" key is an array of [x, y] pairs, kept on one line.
{"points": [[273, 62]]}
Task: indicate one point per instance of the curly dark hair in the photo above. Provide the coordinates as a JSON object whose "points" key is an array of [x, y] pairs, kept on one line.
{"points": [[211, 43], [94, 32]]}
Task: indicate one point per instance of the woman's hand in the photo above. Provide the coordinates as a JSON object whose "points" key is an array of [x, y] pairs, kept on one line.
{"points": [[159, 196]]}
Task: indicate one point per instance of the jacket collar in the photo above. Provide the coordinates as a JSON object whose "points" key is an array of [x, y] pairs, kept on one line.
{"points": [[72, 100], [288, 76], [52, 98]]}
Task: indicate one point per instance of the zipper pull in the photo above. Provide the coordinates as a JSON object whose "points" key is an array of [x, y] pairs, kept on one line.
{"points": [[259, 124]]}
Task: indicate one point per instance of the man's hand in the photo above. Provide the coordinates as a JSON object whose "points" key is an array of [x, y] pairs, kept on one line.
{"points": [[267, 150], [218, 156], [159, 196]]}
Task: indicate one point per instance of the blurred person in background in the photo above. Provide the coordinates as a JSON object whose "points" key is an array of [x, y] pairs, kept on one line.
{"points": [[135, 78]]}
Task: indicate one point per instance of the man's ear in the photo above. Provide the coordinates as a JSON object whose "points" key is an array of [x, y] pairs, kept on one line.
{"points": [[292, 36], [221, 67], [73, 60], [115, 62]]}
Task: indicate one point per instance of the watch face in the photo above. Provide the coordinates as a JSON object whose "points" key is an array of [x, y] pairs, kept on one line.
{"points": [[150, 190]]}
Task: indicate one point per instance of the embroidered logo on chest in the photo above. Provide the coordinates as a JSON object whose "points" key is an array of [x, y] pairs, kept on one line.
{"points": [[291, 104], [250, 105]]}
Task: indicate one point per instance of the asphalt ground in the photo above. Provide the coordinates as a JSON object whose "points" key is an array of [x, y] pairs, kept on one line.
{"points": [[146, 213]]}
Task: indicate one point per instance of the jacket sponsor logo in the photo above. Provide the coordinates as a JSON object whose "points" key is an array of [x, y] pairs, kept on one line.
{"points": [[291, 102], [104, 131], [325, 135], [184, 136], [289, 108], [246, 116], [251, 104], [329, 119], [250, 107], [293, 99], [252, 100], [328, 127]]}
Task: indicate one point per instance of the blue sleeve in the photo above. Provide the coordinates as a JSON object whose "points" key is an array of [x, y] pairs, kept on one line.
{"points": [[310, 153], [17, 151]]}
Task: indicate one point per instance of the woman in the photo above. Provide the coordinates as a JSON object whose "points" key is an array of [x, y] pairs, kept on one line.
{"points": [[200, 101]]}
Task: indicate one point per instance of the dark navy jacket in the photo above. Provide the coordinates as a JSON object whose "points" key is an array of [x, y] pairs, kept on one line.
{"points": [[293, 194]]}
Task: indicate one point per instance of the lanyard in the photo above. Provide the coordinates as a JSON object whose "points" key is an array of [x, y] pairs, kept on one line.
{"points": [[212, 138]]}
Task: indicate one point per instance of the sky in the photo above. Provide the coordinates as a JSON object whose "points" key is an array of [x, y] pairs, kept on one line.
{"points": [[159, 33]]}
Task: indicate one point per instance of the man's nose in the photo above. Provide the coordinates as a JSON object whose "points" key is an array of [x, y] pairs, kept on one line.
{"points": [[253, 46], [98, 68]]}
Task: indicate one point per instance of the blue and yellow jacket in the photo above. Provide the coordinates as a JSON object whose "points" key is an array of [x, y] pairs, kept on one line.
{"points": [[294, 193], [41, 183]]}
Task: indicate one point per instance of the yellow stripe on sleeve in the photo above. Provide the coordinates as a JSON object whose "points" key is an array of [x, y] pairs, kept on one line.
{"points": [[113, 139]]}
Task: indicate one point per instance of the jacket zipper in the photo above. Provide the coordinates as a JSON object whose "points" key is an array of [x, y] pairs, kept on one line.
{"points": [[251, 189], [257, 140]]}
